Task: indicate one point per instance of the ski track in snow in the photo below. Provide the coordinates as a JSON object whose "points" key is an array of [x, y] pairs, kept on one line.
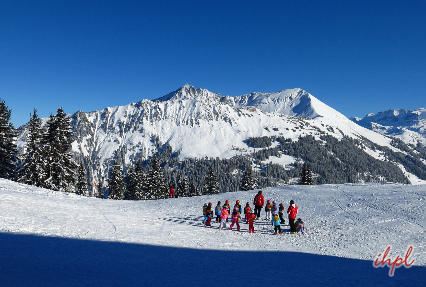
{"points": [[354, 221]]}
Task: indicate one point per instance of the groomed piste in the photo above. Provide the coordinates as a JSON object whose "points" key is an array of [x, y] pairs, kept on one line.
{"points": [[50, 238]]}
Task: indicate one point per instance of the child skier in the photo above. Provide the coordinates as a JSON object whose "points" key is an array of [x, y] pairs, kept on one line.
{"points": [[300, 226], [238, 206], [251, 218], [217, 211], [276, 223], [281, 213], [268, 208], [209, 214], [227, 207], [205, 212], [223, 217], [235, 218], [274, 207], [247, 211]]}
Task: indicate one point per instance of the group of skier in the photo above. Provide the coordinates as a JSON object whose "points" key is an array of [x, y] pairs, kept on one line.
{"points": [[274, 213]]}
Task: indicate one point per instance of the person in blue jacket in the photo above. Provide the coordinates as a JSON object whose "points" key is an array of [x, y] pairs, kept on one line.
{"points": [[217, 211], [276, 222]]}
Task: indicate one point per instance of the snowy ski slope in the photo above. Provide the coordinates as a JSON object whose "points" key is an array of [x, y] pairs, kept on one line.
{"points": [[50, 238]]}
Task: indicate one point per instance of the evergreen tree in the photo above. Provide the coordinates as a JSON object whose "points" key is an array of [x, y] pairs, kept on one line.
{"points": [[100, 189], [31, 171], [211, 185], [248, 182], [306, 175], [59, 165], [116, 183], [81, 186], [131, 183], [193, 190], [141, 181], [156, 185], [183, 186], [8, 149]]}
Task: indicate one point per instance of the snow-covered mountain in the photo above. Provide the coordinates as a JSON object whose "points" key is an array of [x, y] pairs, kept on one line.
{"points": [[409, 126], [198, 123]]}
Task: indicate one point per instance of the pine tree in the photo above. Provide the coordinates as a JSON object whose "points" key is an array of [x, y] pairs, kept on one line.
{"points": [[248, 182], [100, 189], [8, 149], [81, 186], [131, 183], [193, 190], [59, 166], [156, 185], [183, 186], [141, 182], [31, 171], [211, 185], [306, 175], [116, 183]]}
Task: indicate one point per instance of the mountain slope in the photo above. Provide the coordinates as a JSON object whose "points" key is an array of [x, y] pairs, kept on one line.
{"points": [[197, 123], [409, 126]]}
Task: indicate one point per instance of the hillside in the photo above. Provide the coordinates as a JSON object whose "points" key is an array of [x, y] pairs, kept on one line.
{"points": [[51, 238], [196, 124]]}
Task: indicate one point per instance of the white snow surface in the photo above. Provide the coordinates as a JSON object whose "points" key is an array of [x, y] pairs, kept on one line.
{"points": [[50, 238]]}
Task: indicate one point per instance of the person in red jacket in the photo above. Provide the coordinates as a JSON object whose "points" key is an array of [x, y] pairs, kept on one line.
{"points": [[259, 201], [172, 190], [292, 214], [251, 218]]}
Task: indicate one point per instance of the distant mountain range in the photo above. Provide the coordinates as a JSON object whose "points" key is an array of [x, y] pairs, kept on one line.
{"points": [[409, 126], [197, 123]]}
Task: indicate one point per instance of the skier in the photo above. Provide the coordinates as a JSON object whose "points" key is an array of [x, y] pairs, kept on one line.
{"points": [[227, 207], [235, 218], [268, 208], [217, 211], [259, 201], [209, 214], [276, 223], [172, 190], [281, 213], [274, 207], [247, 211], [292, 214], [251, 218], [205, 212], [238, 206], [223, 217], [300, 226]]}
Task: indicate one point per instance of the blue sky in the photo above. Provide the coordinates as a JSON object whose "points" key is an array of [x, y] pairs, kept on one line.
{"points": [[355, 56]]}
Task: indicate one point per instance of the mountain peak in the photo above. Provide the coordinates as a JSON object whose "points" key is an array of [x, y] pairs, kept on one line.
{"points": [[291, 102], [187, 92]]}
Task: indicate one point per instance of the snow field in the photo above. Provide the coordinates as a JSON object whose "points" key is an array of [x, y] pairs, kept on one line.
{"points": [[342, 222]]}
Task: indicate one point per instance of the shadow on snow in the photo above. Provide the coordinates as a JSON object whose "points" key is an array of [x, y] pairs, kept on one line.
{"points": [[28, 260]]}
